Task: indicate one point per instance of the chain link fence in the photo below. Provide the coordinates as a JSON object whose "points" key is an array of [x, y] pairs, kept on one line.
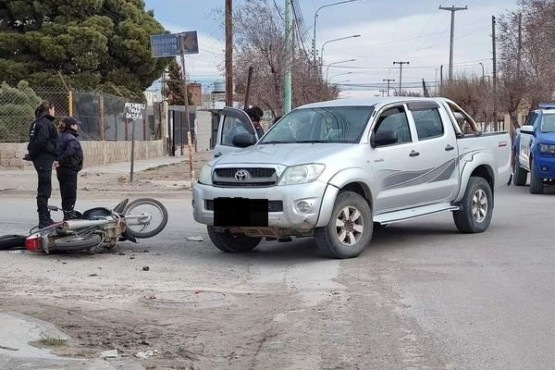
{"points": [[102, 115]]}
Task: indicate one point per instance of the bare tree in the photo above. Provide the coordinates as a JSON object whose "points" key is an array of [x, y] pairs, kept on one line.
{"points": [[526, 69], [259, 41]]}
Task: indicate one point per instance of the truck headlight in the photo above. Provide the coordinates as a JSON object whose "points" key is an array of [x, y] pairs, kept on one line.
{"points": [[547, 149], [301, 174], [205, 175]]}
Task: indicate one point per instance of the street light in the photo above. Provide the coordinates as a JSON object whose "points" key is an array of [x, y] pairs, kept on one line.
{"points": [[340, 74], [314, 27], [343, 61], [483, 76], [327, 42]]}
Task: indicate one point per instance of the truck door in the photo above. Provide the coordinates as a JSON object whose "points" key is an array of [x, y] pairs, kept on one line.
{"points": [[525, 139], [397, 166], [437, 145], [233, 121]]}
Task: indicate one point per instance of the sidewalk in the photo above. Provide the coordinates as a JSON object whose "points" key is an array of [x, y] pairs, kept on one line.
{"points": [[150, 176], [20, 339]]}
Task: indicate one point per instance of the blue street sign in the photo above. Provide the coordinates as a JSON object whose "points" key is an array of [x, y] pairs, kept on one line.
{"points": [[166, 45]]}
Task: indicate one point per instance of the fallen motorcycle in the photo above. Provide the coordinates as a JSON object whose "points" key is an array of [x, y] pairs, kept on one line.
{"points": [[100, 227]]}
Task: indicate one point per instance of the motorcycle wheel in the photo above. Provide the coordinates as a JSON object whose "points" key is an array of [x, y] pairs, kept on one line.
{"points": [[154, 220], [74, 243], [12, 241]]}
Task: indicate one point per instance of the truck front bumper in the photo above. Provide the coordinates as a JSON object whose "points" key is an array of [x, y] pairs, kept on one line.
{"points": [[291, 207], [545, 165]]}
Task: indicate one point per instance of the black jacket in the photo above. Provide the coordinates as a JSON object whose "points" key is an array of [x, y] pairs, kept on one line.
{"points": [[43, 137], [70, 153]]}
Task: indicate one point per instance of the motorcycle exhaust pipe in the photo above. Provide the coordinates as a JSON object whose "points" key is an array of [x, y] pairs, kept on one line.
{"points": [[80, 224]]}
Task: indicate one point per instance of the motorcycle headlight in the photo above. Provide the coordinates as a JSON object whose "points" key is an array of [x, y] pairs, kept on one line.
{"points": [[547, 149], [205, 175], [301, 174]]}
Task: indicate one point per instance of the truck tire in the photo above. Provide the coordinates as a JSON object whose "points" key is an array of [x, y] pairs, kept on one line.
{"points": [[232, 243], [520, 174], [476, 207], [350, 227], [536, 182]]}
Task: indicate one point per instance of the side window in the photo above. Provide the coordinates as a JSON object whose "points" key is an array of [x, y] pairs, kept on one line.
{"points": [[231, 127], [394, 119], [428, 123], [531, 119]]}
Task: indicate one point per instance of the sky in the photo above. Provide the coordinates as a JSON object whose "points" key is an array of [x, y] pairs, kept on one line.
{"points": [[413, 31]]}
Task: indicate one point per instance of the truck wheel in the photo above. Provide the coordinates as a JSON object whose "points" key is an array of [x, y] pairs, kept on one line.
{"points": [[536, 182], [520, 174], [350, 228], [476, 207], [233, 243]]}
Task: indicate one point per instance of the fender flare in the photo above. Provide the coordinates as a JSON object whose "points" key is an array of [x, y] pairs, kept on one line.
{"points": [[339, 181], [469, 163]]}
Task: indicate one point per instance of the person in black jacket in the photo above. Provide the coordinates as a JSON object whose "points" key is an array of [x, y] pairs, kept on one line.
{"points": [[69, 161], [255, 114], [43, 143]]}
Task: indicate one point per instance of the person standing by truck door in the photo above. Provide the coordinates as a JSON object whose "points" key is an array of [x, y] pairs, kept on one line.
{"points": [[69, 162], [255, 114], [43, 143]]}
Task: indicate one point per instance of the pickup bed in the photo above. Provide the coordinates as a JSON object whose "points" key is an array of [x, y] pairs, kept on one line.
{"points": [[334, 170]]}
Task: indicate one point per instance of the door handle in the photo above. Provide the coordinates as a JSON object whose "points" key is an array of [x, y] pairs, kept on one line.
{"points": [[414, 153], [449, 147], [217, 155]]}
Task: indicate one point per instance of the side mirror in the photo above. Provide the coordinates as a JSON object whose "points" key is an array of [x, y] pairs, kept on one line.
{"points": [[243, 140], [527, 129], [384, 137]]}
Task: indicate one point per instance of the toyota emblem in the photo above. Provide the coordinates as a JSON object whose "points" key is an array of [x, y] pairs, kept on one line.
{"points": [[242, 175]]}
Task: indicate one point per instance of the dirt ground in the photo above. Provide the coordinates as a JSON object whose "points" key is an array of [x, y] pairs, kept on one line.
{"points": [[96, 182], [171, 177]]}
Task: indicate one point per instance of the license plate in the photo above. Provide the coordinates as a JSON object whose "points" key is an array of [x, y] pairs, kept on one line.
{"points": [[240, 212]]}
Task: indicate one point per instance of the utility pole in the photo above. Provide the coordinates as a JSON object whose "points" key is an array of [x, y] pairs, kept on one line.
{"points": [[288, 57], [441, 80], [494, 72], [518, 61], [228, 54], [400, 75], [388, 80], [452, 9]]}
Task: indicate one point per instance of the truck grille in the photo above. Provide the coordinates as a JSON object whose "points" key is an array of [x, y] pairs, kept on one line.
{"points": [[244, 177]]}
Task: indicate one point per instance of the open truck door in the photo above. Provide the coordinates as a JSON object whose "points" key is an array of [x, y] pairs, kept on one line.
{"points": [[235, 131]]}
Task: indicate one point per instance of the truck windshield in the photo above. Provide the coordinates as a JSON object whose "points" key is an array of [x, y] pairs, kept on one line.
{"points": [[548, 123], [344, 124]]}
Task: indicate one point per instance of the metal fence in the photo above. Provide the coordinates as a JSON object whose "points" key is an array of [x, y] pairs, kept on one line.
{"points": [[102, 115]]}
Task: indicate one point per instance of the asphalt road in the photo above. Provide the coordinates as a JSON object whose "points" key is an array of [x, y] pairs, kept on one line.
{"points": [[422, 295]]}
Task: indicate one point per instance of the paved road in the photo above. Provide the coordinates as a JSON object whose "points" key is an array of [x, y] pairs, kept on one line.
{"points": [[422, 296]]}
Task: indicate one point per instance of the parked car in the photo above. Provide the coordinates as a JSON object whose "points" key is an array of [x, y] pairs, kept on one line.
{"points": [[333, 170], [534, 149]]}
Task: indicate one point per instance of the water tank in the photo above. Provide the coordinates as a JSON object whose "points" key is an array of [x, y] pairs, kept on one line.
{"points": [[219, 87]]}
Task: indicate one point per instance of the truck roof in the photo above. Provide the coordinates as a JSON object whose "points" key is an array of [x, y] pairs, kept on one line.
{"points": [[369, 101]]}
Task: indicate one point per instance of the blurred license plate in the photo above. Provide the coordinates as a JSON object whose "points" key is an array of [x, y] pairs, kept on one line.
{"points": [[240, 212]]}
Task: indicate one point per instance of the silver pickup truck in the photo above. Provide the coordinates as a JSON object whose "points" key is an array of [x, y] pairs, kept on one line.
{"points": [[335, 170]]}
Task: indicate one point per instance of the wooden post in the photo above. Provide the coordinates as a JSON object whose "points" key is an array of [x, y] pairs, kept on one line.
{"points": [[102, 119]]}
